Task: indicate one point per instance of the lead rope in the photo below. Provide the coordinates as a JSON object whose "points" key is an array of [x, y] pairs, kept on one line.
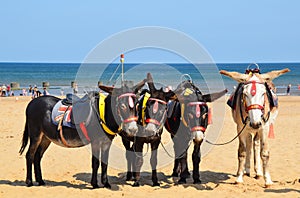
{"points": [[220, 144], [174, 157]]}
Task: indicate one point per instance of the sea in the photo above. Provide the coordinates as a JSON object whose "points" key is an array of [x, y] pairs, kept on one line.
{"points": [[60, 76]]}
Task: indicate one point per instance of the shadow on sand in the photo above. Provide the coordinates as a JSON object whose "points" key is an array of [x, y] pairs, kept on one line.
{"points": [[82, 181]]}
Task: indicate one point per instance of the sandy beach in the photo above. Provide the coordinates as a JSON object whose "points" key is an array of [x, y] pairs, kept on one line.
{"points": [[67, 172]]}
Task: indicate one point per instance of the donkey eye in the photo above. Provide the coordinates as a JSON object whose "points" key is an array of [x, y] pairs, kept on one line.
{"points": [[123, 107]]}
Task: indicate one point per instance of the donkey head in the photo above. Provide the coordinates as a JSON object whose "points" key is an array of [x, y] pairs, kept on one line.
{"points": [[156, 107], [254, 97], [194, 108], [123, 104]]}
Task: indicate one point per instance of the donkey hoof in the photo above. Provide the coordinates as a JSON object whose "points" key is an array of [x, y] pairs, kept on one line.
{"points": [[129, 176], [258, 176], [136, 184], [95, 186], [156, 184], [41, 183], [197, 181], [107, 185], [268, 185], [247, 174], [29, 183], [182, 181]]}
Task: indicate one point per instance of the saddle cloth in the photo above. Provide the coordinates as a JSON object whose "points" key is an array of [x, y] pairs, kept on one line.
{"points": [[72, 114]]}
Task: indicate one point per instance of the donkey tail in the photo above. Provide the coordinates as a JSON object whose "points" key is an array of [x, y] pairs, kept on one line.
{"points": [[25, 139]]}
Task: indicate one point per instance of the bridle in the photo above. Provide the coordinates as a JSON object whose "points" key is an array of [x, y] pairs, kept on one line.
{"points": [[254, 106], [197, 113], [131, 104], [154, 121]]}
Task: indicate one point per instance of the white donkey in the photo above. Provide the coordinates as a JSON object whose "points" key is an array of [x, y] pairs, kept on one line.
{"points": [[253, 113]]}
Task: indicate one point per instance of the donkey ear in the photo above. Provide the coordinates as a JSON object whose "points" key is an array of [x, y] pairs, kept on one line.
{"points": [[107, 89], [150, 82], [138, 86], [214, 96], [273, 74], [239, 77]]}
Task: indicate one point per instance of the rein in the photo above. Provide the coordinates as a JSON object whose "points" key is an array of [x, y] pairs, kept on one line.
{"points": [[239, 133]]}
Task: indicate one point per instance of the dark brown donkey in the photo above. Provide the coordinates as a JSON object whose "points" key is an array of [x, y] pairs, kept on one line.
{"points": [[187, 121], [40, 130]]}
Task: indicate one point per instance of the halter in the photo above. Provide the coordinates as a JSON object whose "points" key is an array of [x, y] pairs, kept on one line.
{"points": [[198, 114], [155, 109], [253, 93], [254, 106], [131, 105]]}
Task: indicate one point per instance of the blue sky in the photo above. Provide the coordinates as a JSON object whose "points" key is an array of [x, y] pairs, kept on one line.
{"points": [[231, 30]]}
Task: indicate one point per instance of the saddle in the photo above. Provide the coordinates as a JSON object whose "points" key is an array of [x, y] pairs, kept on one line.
{"points": [[70, 98], [72, 111]]}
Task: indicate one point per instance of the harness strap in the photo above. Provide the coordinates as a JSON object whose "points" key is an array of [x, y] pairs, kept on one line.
{"points": [[254, 106], [198, 128], [102, 115], [145, 99], [63, 140], [59, 127], [154, 121], [131, 119], [182, 115], [84, 131]]}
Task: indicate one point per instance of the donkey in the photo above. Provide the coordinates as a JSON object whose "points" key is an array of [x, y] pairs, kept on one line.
{"points": [[152, 114], [41, 130], [187, 120], [253, 112]]}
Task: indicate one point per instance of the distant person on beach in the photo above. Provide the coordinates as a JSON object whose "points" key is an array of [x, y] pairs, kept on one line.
{"points": [[288, 89], [45, 92], [75, 89], [36, 93], [61, 91], [24, 93], [8, 90], [30, 91], [3, 92]]}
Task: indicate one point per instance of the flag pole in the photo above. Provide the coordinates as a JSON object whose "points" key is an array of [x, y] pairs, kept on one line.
{"points": [[122, 62]]}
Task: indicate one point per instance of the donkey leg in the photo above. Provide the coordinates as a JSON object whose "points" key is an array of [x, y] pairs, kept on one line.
{"points": [[241, 157], [265, 154], [138, 149], [104, 161], [153, 162], [129, 158], [196, 161], [249, 143], [257, 158], [95, 162], [183, 163], [176, 168], [37, 160], [34, 143]]}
